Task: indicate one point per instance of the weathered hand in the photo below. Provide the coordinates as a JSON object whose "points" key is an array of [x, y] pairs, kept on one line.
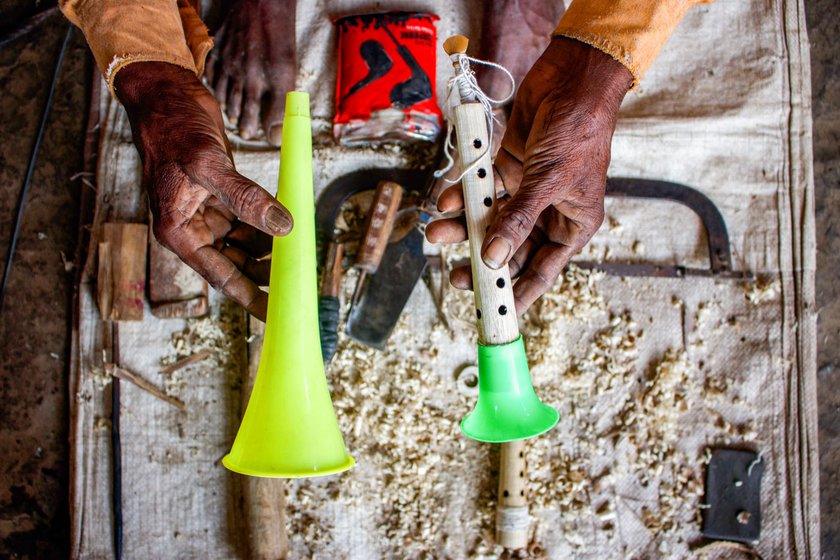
{"points": [[195, 193], [253, 65], [553, 164]]}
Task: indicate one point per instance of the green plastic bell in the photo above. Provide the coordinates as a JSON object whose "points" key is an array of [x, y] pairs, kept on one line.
{"points": [[508, 409]]}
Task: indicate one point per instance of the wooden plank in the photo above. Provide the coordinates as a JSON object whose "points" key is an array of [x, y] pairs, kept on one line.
{"points": [[176, 497], [127, 243]]}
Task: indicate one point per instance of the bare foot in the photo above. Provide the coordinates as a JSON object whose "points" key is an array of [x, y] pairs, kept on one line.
{"points": [[515, 34], [253, 65]]}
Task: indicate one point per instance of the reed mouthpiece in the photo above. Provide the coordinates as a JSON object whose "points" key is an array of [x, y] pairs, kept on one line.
{"points": [[457, 44]]}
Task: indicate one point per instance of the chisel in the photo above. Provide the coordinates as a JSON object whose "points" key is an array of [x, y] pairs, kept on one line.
{"points": [[377, 232]]}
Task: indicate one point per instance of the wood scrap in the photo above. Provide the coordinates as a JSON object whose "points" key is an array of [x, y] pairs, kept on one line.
{"points": [[146, 385], [184, 362], [122, 269], [193, 307]]}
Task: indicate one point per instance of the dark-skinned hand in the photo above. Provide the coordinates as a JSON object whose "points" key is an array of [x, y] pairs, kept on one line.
{"points": [[253, 65], [553, 164], [196, 196]]}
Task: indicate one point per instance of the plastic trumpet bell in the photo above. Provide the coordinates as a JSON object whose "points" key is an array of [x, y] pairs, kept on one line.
{"points": [[508, 408], [289, 429]]}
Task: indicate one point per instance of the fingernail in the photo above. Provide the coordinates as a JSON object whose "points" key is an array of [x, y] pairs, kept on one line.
{"points": [[497, 253], [275, 134], [278, 221]]}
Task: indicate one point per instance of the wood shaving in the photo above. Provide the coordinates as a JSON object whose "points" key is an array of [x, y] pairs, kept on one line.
{"points": [[221, 334], [403, 439], [614, 456], [762, 290]]}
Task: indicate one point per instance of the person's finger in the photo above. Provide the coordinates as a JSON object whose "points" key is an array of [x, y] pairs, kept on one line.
{"points": [[452, 199], [251, 240], [218, 223], [514, 222], [257, 270], [449, 230], [211, 67], [272, 117], [249, 201], [225, 277], [521, 257], [220, 88], [540, 275], [249, 122], [507, 170], [461, 277], [218, 270], [234, 104]]}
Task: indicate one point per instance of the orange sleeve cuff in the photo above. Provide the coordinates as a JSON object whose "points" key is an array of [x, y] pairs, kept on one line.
{"points": [[631, 31], [121, 32]]}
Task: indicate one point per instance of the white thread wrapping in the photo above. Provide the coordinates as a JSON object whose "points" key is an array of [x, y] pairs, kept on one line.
{"points": [[512, 519], [465, 82]]}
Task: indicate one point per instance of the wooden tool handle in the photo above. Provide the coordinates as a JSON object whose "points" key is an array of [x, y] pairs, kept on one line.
{"points": [[329, 307], [380, 224], [264, 498], [494, 305], [512, 519], [331, 280]]}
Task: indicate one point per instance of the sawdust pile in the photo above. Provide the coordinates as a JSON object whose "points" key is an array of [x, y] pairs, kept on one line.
{"points": [[413, 462], [406, 443], [602, 462], [613, 466], [223, 333], [411, 458], [653, 423]]}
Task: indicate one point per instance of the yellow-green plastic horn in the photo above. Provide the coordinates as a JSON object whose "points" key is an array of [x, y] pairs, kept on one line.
{"points": [[289, 429]]}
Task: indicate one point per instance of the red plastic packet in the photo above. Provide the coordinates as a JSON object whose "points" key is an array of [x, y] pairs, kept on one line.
{"points": [[386, 79]]}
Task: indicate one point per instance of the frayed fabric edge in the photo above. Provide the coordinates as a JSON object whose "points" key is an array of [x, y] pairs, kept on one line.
{"points": [[120, 61], [618, 53]]}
